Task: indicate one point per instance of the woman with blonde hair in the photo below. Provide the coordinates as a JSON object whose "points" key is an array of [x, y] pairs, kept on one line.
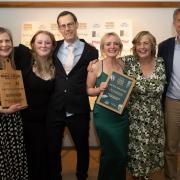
{"points": [[111, 127]]}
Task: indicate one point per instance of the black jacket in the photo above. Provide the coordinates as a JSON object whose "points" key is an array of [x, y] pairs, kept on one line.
{"points": [[166, 51], [70, 90]]}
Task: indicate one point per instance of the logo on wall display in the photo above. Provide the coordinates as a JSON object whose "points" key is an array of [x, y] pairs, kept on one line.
{"points": [[91, 32], [28, 29]]}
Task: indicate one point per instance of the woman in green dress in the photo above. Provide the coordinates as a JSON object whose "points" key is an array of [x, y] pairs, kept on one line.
{"points": [[112, 128], [146, 131]]}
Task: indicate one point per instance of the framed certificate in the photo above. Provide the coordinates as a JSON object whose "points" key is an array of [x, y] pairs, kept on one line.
{"points": [[117, 93]]}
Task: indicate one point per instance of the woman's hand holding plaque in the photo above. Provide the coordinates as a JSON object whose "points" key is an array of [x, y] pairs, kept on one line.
{"points": [[12, 94]]}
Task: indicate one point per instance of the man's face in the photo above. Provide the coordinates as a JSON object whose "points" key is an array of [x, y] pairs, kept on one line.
{"points": [[68, 28], [177, 23]]}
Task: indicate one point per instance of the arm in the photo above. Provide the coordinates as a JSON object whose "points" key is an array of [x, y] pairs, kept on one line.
{"points": [[91, 80], [22, 57]]}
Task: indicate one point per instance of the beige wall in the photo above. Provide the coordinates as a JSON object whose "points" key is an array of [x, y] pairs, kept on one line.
{"points": [[156, 20]]}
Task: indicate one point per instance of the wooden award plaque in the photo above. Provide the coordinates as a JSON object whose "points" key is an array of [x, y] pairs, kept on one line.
{"points": [[11, 87]]}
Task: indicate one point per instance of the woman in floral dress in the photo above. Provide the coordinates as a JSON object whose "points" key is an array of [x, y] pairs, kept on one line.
{"points": [[146, 136], [13, 161]]}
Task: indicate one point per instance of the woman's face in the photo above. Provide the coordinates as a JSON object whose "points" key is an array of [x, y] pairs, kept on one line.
{"points": [[112, 47], [143, 47], [5, 45], [42, 45]]}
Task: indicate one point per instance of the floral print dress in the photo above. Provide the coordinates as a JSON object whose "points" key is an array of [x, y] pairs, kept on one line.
{"points": [[146, 134], [13, 161]]}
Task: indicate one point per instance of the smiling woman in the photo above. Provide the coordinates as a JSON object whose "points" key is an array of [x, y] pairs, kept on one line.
{"points": [[13, 163], [41, 45], [146, 130], [111, 127], [38, 74]]}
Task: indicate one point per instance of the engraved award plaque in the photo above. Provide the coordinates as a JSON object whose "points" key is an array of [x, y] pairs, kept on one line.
{"points": [[11, 87]]}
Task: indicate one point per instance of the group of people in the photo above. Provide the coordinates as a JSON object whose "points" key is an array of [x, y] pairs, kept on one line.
{"points": [[23, 131], [136, 136], [57, 95], [31, 138]]}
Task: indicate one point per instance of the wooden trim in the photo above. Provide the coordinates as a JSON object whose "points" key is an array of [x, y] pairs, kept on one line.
{"points": [[90, 4]]}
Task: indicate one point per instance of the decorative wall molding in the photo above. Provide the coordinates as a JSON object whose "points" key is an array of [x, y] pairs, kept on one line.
{"points": [[90, 4]]}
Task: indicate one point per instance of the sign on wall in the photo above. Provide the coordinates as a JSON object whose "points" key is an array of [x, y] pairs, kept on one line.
{"points": [[91, 32]]}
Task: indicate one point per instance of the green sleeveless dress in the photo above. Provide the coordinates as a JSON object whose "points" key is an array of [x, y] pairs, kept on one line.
{"points": [[112, 130]]}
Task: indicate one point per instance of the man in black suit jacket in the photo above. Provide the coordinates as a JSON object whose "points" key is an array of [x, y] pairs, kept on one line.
{"points": [[69, 105], [169, 50]]}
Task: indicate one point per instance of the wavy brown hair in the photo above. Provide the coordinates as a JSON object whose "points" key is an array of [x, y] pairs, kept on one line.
{"points": [[137, 39], [49, 66]]}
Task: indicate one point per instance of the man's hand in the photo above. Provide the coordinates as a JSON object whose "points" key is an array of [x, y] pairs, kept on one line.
{"points": [[90, 66]]}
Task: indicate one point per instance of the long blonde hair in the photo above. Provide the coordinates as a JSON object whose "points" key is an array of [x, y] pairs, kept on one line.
{"points": [[48, 65]]}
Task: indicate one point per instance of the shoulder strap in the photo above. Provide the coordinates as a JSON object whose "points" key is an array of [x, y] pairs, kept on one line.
{"points": [[102, 65]]}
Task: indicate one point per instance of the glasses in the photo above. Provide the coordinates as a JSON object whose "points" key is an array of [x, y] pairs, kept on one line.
{"points": [[64, 26]]}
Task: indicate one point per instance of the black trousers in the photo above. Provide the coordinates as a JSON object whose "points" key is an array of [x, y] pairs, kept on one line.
{"points": [[78, 126]]}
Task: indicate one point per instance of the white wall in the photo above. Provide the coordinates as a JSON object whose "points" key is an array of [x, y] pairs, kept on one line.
{"points": [[157, 20]]}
